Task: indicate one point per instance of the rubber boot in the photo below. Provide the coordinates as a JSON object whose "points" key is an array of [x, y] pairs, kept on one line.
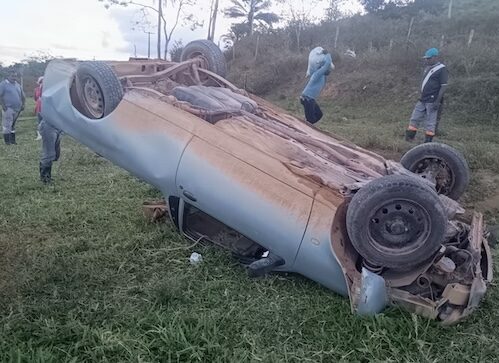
{"points": [[428, 138], [410, 135], [13, 138], [45, 174], [6, 138]]}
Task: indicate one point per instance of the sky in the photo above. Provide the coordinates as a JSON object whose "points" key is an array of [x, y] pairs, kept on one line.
{"points": [[85, 29]]}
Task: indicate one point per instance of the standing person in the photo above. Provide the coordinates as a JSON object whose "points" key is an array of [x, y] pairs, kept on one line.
{"points": [[318, 75], [432, 92], [51, 143], [12, 100], [51, 150], [38, 106]]}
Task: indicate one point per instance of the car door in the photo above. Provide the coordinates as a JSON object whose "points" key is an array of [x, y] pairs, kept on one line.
{"points": [[243, 196]]}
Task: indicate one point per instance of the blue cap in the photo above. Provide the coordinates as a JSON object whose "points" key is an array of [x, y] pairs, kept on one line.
{"points": [[430, 53]]}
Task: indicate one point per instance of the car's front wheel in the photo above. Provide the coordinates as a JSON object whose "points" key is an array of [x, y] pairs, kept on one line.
{"points": [[396, 222]]}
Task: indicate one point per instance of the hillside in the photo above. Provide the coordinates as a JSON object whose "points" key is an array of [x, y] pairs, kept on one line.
{"points": [[388, 65]]}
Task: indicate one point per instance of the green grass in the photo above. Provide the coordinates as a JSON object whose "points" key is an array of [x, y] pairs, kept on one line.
{"points": [[83, 276]]}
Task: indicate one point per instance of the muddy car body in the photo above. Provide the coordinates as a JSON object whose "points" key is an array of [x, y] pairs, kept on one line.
{"points": [[239, 172]]}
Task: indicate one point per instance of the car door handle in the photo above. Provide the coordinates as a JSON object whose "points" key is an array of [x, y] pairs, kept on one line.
{"points": [[189, 196]]}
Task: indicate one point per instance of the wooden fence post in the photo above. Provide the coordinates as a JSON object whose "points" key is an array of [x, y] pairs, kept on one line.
{"points": [[410, 30], [257, 44], [442, 41], [337, 36], [470, 39]]}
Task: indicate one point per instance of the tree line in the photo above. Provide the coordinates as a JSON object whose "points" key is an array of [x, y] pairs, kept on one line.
{"points": [[250, 16]]}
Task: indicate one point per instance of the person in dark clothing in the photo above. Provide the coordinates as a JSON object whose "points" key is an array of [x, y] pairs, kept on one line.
{"points": [[51, 150], [51, 142], [432, 92], [318, 76], [12, 100], [313, 112]]}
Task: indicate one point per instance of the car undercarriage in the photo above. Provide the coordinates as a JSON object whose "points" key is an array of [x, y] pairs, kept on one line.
{"points": [[281, 195]]}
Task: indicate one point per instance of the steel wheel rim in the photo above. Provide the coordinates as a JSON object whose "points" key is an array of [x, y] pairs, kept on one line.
{"points": [[92, 97], [203, 60], [399, 227], [437, 171]]}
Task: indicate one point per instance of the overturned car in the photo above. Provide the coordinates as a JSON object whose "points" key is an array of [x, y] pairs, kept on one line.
{"points": [[281, 195]]}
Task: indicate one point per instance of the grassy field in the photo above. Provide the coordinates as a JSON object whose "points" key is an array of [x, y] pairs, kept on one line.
{"points": [[83, 276]]}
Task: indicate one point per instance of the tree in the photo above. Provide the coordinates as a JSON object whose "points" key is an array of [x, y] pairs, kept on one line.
{"points": [[333, 10], [397, 9], [144, 25], [213, 19], [372, 6], [29, 70], [299, 16], [252, 11], [158, 8], [239, 30], [144, 7], [176, 51], [178, 6]]}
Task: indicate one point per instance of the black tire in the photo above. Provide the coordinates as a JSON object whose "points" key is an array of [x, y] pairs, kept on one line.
{"points": [[396, 222], [98, 89], [209, 52], [453, 176]]}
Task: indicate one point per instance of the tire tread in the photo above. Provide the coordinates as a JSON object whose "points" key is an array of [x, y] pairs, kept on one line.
{"points": [[358, 214], [108, 81]]}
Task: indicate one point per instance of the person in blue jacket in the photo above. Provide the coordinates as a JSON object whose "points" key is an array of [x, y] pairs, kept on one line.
{"points": [[313, 112]]}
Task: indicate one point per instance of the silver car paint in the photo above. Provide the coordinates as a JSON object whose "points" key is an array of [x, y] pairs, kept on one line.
{"points": [[154, 157]]}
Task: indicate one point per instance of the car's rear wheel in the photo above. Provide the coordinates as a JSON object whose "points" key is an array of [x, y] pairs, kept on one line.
{"points": [[396, 222], [98, 89], [441, 164], [209, 53]]}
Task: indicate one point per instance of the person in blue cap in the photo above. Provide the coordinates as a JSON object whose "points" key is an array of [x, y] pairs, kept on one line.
{"points": [[433, 88], [318, 74]]}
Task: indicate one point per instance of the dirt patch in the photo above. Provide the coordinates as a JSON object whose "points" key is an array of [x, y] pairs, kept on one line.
{"points": [[483, 193], [490, 204]]}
